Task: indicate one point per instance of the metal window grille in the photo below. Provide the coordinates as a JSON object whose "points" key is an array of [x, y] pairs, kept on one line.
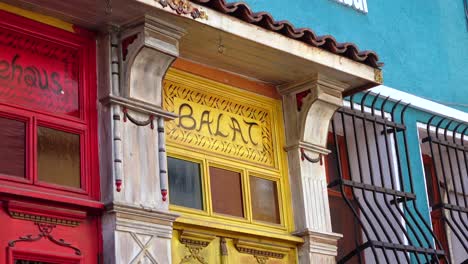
{"points": [[381, 184], [448, 143]]}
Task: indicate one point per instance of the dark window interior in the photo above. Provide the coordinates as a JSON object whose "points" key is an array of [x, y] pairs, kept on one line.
{"points": [[184, 183], [12, 147]]}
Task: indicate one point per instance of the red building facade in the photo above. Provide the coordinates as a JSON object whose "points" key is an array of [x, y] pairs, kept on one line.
{"points": [[49, 176]]}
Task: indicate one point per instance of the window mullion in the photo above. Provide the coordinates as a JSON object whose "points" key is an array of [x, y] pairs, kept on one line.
{"points": [[247, 197], [206, 191], [32, 150]]}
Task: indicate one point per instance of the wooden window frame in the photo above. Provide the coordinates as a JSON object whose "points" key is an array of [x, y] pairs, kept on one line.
{"points": [[48, 257], [346, 176], [344, 165], [85, 124], [245, 174], [438, 225]]}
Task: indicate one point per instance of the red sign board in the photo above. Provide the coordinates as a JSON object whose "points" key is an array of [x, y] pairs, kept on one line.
{"points": [[38, 74]]}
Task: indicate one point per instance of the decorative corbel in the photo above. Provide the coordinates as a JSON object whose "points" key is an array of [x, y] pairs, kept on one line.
{"points": [[309, 106], [195, 243], [141, 53], [261, 251], [150, 46]]}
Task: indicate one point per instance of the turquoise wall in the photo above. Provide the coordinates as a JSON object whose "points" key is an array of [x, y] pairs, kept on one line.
{"points": [[424, 44]]}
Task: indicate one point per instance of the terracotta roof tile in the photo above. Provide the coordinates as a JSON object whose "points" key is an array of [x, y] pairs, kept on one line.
{"points": [[285, 28]]}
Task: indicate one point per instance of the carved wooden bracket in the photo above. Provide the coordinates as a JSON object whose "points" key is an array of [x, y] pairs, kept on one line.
{"points": [[262, 252], [195, 242]]}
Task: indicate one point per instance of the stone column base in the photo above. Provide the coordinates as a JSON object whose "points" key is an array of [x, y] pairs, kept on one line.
{"points": [[318, 247], [136, 235]]}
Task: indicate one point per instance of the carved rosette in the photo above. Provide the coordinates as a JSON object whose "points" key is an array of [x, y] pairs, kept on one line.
{"points": [[184, 7]]}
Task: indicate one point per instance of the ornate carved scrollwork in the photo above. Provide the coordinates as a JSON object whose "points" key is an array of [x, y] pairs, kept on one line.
{"points": [[261, 259], [45, 231], [195, 243], [184, 7]]}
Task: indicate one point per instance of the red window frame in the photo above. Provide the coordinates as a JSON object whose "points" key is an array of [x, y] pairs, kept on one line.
{"points": [[344, 165], [85, 124], [48, 257], [437, 220]]}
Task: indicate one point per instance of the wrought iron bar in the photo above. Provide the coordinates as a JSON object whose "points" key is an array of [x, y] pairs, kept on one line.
{"points": [[450, 179], [381, 184]]}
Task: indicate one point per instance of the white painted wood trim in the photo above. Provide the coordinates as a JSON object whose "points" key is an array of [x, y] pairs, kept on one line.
{"points": [[277, 41], [421, 103]]}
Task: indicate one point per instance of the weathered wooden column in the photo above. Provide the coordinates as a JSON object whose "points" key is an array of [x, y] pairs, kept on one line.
{"points": [[308, 108], [137, 225]]}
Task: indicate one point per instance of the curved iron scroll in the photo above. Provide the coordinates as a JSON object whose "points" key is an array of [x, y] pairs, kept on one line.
{"points": [[45, 231]]}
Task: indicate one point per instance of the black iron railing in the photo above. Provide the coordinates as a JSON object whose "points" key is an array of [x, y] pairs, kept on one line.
{"points": [[380, 181], [448, 143]]}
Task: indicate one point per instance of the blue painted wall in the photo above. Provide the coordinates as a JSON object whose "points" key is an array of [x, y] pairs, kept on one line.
{"points": [[424, 44]]}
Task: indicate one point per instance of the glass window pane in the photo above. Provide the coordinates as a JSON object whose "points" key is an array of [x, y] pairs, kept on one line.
{"points": [[39, 74], [184, 183], [58, 157], [12, 147], [226, 192], [264, 200]]}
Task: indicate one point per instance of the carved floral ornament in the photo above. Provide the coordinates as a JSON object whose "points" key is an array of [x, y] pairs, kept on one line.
{"points": [[45, 231], [195, 243], [183, 7]]}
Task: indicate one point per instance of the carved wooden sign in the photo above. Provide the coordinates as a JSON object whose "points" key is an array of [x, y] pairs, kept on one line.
{"points": [[38, 73], [213, 119]]}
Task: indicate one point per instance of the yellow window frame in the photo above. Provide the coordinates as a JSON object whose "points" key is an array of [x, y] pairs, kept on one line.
{"points": [[276, 173]]}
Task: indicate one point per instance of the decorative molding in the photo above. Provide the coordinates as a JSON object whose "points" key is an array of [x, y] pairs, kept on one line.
{"points": [[308, 147], [261, 250], [195, 243], [304, 156], [138, 106], [261, 259], [144, 252], [229, 114], [320, 242], [44, 214], [142, 214], [137, 122], [45, 231], [183, 7], [127, 42], [378, 76]]}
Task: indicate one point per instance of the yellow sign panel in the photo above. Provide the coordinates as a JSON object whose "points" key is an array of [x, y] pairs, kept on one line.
{"points": [[220, 119], [220, 125]]}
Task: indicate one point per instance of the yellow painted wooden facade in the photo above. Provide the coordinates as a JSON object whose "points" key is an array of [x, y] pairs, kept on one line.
{"points": [[254, 147]]}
